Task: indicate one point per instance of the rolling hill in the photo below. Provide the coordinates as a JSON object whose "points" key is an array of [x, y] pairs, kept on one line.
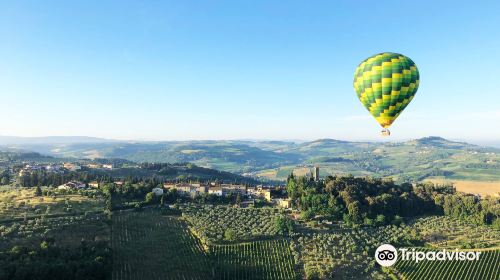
{"points": [[419, 159]]}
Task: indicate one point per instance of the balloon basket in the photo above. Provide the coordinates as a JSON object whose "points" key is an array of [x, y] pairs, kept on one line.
{"points": [[386, 132]]}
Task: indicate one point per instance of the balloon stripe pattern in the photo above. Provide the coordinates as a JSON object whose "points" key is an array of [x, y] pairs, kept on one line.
{"points": [[385, 84]]}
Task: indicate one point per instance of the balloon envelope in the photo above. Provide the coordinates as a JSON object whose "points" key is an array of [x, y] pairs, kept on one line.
{"points": [[385, 84]]}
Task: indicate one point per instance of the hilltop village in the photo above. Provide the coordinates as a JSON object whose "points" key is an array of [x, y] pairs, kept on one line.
{"points": [[245, 193]]}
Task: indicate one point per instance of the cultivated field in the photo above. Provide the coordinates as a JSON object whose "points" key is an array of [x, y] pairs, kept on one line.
{"points": [[450, 233], [211, 222], [270, 259], [475, 187], [345, 253], [148, 245]]}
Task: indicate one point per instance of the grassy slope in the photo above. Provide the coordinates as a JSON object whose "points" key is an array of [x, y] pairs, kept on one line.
{"points": [[17, 203]]}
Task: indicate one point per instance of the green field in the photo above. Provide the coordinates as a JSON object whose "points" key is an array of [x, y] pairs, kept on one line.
{"points": [[486, 268], [270, 259], [149, 245], [211, 222]]}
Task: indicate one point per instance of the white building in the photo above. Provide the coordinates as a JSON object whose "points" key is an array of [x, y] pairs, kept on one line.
{"points": [[230, 188], [52, 168], [71, 185], [72, 166], [215, 190], [107, 166], [93, 165], [191, 189], [158, 191]]}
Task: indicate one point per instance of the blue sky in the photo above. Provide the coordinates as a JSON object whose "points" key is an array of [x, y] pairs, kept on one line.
{"points": [[168, 70]]}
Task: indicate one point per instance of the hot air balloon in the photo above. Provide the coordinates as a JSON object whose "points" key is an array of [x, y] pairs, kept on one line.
{"points": [[385, 84]]}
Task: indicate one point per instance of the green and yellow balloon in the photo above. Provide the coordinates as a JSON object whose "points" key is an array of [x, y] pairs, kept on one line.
{"points": [[385, 84]]}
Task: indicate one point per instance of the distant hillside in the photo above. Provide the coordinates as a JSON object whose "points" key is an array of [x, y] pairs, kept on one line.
{"points": [[234, 156], [9, 157], [125, 169], [419, 159], [178, 171], [13, 140]]}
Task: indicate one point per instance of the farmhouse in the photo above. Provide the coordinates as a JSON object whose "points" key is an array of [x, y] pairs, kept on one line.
{"points": [[191, 189], [93, 165], [168, 186], [266, 194], [183, 188], [52, 168], [72, 166], [107, 166], [260, 192], [215, 190], [201, 190], [71, 185], [235, 189], [284, 203]]}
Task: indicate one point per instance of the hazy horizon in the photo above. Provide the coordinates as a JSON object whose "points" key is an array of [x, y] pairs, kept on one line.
{"points": [[493, 143]]}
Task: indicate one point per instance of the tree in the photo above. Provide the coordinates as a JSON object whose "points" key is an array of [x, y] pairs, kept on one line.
{"points": [[307, 214], [380, 220], [44, 245], [150, 196], [38, 191], [397, 220], [138, 207], [283, 225], [312, 273], [238, 199], [5, 180], [291, 188], [368, 222], [162, 200], [109, 205], [230, 235], [354, 212]]}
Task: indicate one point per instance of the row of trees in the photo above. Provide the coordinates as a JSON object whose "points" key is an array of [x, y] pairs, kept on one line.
{"points": [[4, 177], [53, 179], [149, 173]]}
